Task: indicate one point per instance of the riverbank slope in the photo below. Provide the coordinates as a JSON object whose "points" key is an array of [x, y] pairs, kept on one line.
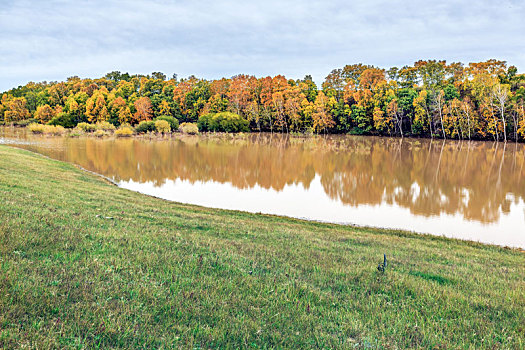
{"points": [[84, 263]]}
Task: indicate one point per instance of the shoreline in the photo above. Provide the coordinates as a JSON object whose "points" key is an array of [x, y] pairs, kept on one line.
{"points": [[241, 135]]}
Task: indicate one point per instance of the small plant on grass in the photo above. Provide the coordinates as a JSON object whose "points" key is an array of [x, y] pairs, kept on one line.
{"points": [[162, 126], [382, 266], [189, 128]]}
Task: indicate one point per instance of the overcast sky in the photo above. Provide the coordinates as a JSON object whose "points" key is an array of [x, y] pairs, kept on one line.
{"points": [[52, 40]]}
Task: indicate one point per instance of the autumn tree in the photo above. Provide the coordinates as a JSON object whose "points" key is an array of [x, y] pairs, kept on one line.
{"points": [[219, 91], [238, 94], [322, 120], [470, 116], [334, 84], [96, 109], [15, 109], [279, 87], [143, 110], [308, 88], [44, 113], [393, 115], [293, 96], [124, 115], [422, 121]]}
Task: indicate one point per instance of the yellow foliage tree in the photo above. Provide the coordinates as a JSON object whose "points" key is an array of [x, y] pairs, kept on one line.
{"points": [[322, 119], [15, 109], [421, 121], [72, 105], [96, 110], [383, 121], [44, 113], [164, 108], [124, 116]]}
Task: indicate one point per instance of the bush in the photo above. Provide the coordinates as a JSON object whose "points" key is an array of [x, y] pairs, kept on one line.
{"points": [[63, 119], [86, 127], [54, 130], [145, 126], [36, 128], [100, 133], [124, 131], [224, 121], [106, 126], [189, 128], [162, 126], [174, 123], [205, 122]]}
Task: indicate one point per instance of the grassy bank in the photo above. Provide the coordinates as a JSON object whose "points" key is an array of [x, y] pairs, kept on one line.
{"points": [[86, 264]]}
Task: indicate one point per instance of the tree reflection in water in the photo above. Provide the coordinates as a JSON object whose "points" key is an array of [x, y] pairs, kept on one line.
{"points": [[478, 180]]}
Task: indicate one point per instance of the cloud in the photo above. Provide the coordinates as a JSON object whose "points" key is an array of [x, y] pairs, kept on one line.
{"points": [[55, 39]]}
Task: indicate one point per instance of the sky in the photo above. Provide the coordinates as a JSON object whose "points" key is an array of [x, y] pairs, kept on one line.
{"points": [[52, 40]]}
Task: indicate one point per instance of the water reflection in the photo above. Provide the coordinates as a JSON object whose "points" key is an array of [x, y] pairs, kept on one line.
{"points": [[475, 184]]}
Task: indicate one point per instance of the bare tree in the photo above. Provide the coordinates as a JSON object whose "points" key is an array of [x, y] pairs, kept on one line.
{"points": [[500, 94], [439, 100]]}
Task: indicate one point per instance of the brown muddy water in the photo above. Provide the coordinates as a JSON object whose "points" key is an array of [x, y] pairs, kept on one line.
{"points": [[467, 190]]}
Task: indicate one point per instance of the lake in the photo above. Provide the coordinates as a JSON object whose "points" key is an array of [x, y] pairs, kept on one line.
{"points": [[467, 190]]}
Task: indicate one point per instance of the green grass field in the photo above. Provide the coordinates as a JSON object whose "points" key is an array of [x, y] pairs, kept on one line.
{"points": [[165, 275]]}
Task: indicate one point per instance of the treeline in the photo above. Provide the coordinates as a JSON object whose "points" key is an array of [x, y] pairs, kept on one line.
{"points": [[482, 100]]}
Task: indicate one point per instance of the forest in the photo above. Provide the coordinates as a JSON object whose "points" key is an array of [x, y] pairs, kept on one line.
{"points": [[482, 101]]}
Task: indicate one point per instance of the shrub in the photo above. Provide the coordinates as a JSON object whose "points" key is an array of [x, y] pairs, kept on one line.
{"points": [[106, 126], [145, 126], [100, 133], [205, 122], [174, 123], [36, 128], [189, 128], [224, 121], [63, 119], [124, 131], [86, 127], [54, 130], [162, 126]]}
